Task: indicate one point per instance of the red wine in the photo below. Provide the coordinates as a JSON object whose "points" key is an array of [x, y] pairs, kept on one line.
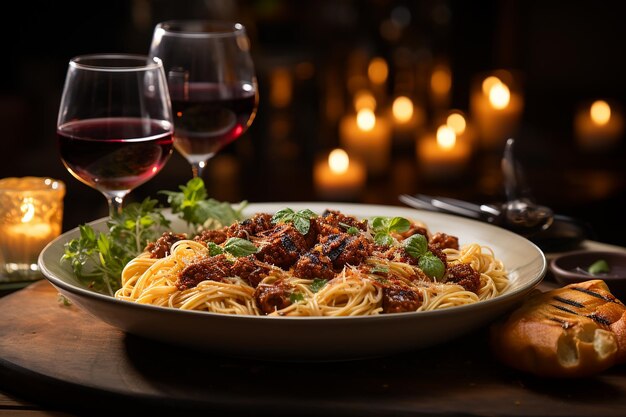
{"points": [[208, 116], [114, 154]]}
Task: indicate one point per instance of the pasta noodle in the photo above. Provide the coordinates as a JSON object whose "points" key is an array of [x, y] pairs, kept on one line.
{"points": [[371, 287]]}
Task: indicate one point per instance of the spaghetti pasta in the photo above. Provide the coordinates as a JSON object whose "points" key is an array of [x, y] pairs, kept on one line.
{"points": [[337, 266]]}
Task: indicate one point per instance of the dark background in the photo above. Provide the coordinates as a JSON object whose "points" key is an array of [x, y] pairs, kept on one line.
{"points": [[567, 52]]}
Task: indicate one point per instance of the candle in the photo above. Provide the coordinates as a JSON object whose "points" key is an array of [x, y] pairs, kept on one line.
{"points": [[30, 217], [338, 177], [368, 138], [598, 126], [440, 87], [463, 129], [441, 155], [496, 109], [407, 118]]}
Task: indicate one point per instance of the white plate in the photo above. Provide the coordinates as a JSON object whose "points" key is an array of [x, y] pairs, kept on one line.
{"points": [[314, 338]]}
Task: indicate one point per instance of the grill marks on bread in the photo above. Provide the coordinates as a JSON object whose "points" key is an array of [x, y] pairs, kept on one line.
{"points": [[580, 307]]}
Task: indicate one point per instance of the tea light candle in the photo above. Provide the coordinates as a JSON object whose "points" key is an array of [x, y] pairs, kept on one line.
{"points": [[30, 217], [462, 127], [441, 155], [496, 110], [338, 177], [367, 138], [598, 127], [407, 118], [440, 86]]}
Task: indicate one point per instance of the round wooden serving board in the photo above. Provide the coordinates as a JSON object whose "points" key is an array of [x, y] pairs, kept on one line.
{"points": [[61, 356]]}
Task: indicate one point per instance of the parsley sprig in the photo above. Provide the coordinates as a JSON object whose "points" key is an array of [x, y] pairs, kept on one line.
{"points": [[194, 206], [97, 258]]}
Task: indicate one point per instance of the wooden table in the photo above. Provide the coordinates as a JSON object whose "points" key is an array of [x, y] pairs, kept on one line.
{"points": [[57, 360]]}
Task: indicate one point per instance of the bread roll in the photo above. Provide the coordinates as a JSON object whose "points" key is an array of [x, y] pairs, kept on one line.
{"points": [[574, 331]]}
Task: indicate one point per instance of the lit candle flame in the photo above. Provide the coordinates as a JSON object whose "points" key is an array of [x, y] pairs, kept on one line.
{"points": [[457, 122], [488, 83], [402, 109], [378, 70], [338, 161], [600, 112], [499, 96], [28, 209], [366, 120], [446, 138], [363, 99], [441, 80]]}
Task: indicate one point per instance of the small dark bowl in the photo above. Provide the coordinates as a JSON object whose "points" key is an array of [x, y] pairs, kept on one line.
{"points": [[570, 268]]}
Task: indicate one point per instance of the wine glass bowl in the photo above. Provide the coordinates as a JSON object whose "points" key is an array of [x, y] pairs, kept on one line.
{"points": [[212, 84], [114, 126]]}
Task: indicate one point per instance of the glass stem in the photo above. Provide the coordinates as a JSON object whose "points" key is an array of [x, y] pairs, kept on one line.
{"points": [[115, 200], [197, 168]]}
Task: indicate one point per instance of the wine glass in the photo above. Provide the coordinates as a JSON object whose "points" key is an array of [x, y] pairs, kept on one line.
{"points": [[212, 84], [114, 126]]}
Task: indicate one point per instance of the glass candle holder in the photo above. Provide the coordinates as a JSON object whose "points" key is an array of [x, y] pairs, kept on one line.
{"points": [[31, 214]]}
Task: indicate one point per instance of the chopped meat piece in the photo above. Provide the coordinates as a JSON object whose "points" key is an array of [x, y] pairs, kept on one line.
{"points": [[314, 265], [258, 223], [397, 299], [215, 236], [284, 246], [163, 245], [444, 241], [270, 298], [345, 249], [465, 276], [399, 254], [334, 222], [250, 270], [215, 268]]}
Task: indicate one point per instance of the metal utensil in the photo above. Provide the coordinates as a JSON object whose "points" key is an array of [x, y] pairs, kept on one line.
{"points": [[519, 213]]}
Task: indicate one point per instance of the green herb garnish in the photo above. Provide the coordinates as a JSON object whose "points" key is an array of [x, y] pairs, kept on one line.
{"points": [[351, 230], [384, 226], [301, 219], [193, 206], [431, 265], [294, 297], [598, 267], [98, 258], [318, 284]]}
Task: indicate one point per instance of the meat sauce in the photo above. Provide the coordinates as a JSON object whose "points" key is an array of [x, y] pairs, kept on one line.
{"points": [[332, 242]]}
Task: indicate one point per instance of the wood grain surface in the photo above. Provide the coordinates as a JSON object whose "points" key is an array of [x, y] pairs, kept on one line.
{"points": [[62, 359]]}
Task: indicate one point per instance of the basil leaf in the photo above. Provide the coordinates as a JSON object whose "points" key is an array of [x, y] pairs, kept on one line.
{"points": [[383, 238], [302, 224], [283, 215], [399, 224], [301, 220], [378, 223], [240, 247], [214, 249], [431, 265], [318, 284], [416, 245], [599, 267]]}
